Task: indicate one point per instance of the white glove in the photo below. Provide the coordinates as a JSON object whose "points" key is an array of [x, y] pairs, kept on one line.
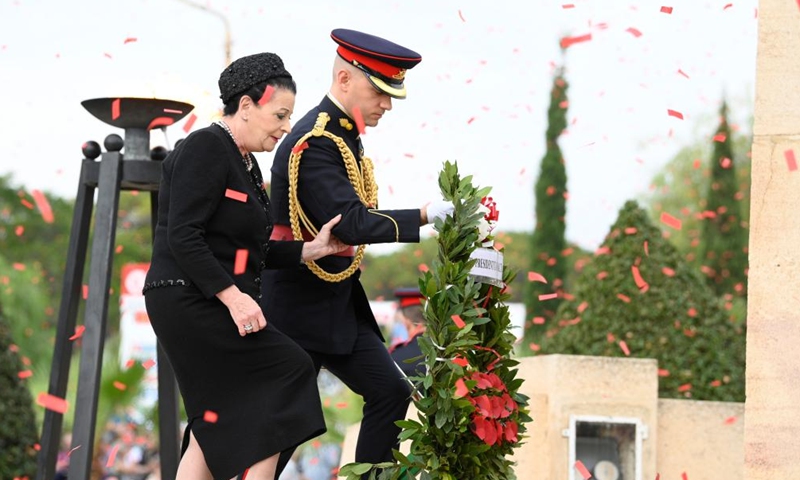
{"points": [[438, 209]]}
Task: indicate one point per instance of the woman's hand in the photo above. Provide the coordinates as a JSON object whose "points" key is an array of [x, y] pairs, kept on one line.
{"points": [[324, 243], [246, 313]]}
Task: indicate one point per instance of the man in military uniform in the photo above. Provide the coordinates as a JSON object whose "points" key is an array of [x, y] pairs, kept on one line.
{"points": [[320, 171], [410, 313]]}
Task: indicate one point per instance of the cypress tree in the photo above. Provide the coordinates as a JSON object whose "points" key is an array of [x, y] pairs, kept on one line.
{"points": [[724, 238], [548, 241], [640, 298], [17, 421]]}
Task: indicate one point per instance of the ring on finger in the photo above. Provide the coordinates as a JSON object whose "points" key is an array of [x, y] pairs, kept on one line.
{"points": [[248, 328]]}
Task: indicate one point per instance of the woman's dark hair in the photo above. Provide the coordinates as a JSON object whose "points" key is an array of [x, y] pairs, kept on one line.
{"points": [[256, 91]]}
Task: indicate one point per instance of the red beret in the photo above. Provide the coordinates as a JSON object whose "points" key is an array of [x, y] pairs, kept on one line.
{"points": [[409, 296]]}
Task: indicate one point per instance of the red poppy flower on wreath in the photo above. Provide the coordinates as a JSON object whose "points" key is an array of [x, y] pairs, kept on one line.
{"points": [[491, 420]]}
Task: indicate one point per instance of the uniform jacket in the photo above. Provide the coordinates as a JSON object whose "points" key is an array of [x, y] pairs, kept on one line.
{"points": [[319, 315], [208, 208]]}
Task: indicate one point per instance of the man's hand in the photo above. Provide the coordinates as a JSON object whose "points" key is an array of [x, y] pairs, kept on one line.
{"points": [[435, 209]]}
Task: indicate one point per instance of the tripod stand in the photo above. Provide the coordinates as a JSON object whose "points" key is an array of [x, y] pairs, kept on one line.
{"points": [[135, 170]]}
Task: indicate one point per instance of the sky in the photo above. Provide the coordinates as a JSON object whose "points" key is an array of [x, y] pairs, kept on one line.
{"points": [[479, 96]]}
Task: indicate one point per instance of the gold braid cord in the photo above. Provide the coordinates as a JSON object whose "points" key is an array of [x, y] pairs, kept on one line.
{"points": [[363, 183]]}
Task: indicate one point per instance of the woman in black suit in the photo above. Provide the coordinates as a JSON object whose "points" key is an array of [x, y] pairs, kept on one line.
{"points": [[249, 391]]}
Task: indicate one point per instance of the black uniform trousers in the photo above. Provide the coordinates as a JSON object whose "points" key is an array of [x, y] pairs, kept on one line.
{"points": [[370, 372]]}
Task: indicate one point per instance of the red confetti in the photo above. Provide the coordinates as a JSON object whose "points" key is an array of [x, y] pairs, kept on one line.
{"points": [[730, 420], [115, 109], [130, 40], [461, 361], [26, 204], [240, 263], [727, 6], [457, 320], [668, 271], [51, 402], [567, 6], [43, 205], [547, 296], [684, 476], [461, 16], [267, 95], [19, 230], [624, 298], [18, 266], [471, 119], [670, 221], [461, 388], [583, 306], [624, 347], [791, 162], [147, 364], [663, 373], [85, 292], [720, 137], [359, 119], [636, 33], [112, 456], [120, 386], [716, 383], [675, 113], [25, 374], [567, 42], [536, 277], [234, 195], [78, 332], [187, 126], [341, 405], [685, 387], [300, 148], [646, 250], [581, 468], [210, 417], [637, 277], [667, 10], [161, 122], [538, 320]]}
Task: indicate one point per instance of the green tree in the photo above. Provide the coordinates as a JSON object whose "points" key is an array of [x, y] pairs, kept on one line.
{"points": [[724, 239], [17, 426], [548, 241], [680, 189], [640, 298]]}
